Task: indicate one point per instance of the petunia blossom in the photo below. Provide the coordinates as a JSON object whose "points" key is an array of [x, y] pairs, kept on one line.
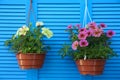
{"points": [[97, 32], [47, 32], [78, 25], [92, 25], [69, 27], [38, 23], [110, 33], [89, 32], [82, 35], [75, 45], [102, 25], [22, 31], [83, 43], [82, 30]]}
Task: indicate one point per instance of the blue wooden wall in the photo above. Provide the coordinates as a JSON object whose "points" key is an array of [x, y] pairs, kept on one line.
{"points": [[109, 13], [12, 16], [56, 14]]}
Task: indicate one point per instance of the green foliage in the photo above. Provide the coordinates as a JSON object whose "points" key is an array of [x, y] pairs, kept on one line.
{"points": [[98, 48], [64, 50], [32, 42]]}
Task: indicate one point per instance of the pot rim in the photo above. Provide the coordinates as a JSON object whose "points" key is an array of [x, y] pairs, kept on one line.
{"points": [[31, 53], [91, 59]]}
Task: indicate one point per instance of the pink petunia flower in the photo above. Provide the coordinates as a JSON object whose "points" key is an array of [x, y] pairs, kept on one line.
{"points": [[89, 32], [75, 45], [83, 43], [82, 30], [102, 25], [82, 35], [92, 25], [78, 25], [110, 33], [97, 32], [69, 27]]}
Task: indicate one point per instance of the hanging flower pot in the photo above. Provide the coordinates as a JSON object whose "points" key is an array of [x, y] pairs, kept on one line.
{"points": [[91, 66], [30, 60], [29, 44], [90, 47]]}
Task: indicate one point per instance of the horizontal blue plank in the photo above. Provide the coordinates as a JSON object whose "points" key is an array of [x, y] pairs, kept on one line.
{"points": [[59, 72], [12, 73], [6, 6], [12, 14], [72, 75], [112, 72], [105, 9], [67, 23], [106, 17], [12, 67], [58, 16], [106, 2], [12, 11], [8, 62], [59, 2], [114, 5], [57, 13], [11, 28], [11, 18], [106, 13], [61, 20], [17, 2], [10, 24], [111, 78], [69, 71], [11, 21], [59, 9], [60, 75], [13, 77], [58, 78], [108, 20], [58, 5]]}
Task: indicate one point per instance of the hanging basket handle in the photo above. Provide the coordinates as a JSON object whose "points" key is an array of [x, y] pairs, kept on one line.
{"points": [[86, 12], [30, 10]]}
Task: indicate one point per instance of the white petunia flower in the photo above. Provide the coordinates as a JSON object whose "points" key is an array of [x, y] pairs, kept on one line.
{"points": [[25, 28], [48, 33], [38, 24], [21, 31]]}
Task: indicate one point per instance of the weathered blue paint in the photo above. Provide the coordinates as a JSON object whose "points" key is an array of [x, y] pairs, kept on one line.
{"points": [[12, 16], [108, 12], [56, 14]]}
